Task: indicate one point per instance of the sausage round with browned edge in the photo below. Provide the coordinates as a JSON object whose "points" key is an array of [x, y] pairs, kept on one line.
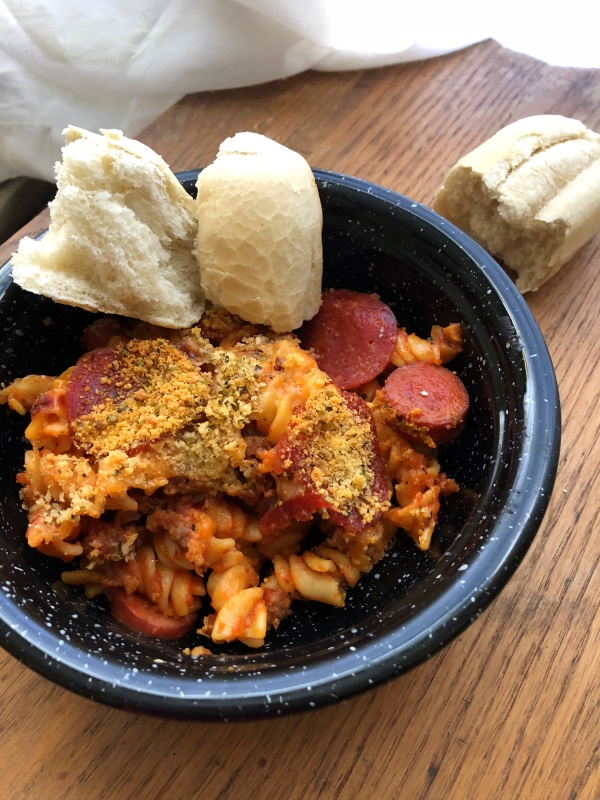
{"points": [[431, 402], [352, 337], [138, 614]]}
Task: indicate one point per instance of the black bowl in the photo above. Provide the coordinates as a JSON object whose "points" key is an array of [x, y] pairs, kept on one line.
{"points": [[412, 604]]}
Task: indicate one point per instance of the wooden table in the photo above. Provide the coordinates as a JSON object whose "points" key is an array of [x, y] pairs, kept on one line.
{"points": [[510, 708]]}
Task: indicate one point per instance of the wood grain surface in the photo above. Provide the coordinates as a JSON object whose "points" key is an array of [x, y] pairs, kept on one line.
{"points": [[510, 708]]}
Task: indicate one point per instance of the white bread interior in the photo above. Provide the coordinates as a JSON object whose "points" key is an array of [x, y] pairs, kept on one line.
{"points": [[121, 236], [530, 195], [259, 232]]}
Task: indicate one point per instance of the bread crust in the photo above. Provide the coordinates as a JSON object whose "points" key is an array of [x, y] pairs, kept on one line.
{"points": [[530, 195], [121, 235], [259, 232]]}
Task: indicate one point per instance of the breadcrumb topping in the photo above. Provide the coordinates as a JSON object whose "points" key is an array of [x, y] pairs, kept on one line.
{"points": [[158, 390], [209, 448], [191, 419], [334, 443]]}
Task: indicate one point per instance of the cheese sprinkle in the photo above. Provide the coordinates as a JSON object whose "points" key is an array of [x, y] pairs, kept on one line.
{"points": [[336, 458], [157, 389]]}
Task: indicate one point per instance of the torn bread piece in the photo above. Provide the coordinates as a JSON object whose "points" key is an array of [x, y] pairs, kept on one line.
{"points": [[530, 195], [121, 236], [259, 232]]}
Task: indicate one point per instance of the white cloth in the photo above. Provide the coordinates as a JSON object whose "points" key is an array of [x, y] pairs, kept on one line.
{"points": [[112, 64]]}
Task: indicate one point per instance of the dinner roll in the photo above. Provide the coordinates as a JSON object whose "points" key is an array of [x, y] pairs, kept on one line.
{"points": [[530, 195], [121, 236], [259, 232]]}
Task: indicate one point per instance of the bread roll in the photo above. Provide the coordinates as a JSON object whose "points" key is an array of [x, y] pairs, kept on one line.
{"points": [[121, 236], [530, 195], [259, 232]]}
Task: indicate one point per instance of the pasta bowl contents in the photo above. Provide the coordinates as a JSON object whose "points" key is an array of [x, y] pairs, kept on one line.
{"points": [[387, 588], [174, 465]]}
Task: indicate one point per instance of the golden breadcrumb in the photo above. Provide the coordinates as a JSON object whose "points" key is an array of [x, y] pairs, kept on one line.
{"points": [[334, 441], [170, 391]]}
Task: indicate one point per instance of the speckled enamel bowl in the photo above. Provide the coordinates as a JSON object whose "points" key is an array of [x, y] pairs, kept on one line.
{"points": [[411, 604]]}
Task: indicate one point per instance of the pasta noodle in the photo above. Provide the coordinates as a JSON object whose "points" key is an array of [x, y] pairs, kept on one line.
{"points": [[441, 347], [22, 393], [49, 426], [155, 569], [188, 467], [295, 378], [418, 481]]}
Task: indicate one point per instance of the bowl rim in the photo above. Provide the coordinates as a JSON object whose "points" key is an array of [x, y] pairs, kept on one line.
{"points": [[341, 674]]}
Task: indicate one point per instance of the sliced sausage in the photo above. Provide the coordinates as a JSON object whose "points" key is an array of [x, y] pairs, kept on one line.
{"points": [[86, 387], [138, 614], [292, 456], [300, 508], [101, 331], [352, 337], [431, 402]]}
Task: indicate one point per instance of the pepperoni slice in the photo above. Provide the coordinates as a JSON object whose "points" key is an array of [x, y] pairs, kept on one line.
{"points": [[292, 456], [138, 614], [87, 386], [431, 402], [352, 336], [300, 508], [101, 331]]}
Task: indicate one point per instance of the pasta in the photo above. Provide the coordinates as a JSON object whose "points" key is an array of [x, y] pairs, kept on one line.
{"points": [[181, 472], [22, 393], [418, 480], [441, 347], [49, 426], [154, 570]]}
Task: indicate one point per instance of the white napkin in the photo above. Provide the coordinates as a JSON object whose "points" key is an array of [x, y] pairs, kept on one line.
{"points": [[112, 64]]}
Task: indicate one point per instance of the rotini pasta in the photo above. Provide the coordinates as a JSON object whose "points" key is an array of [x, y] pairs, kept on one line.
{"points": [[185, 469], [156, 569], [49, 426], [294, 378], [441, 347], [417, 479], [22, 393]]}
